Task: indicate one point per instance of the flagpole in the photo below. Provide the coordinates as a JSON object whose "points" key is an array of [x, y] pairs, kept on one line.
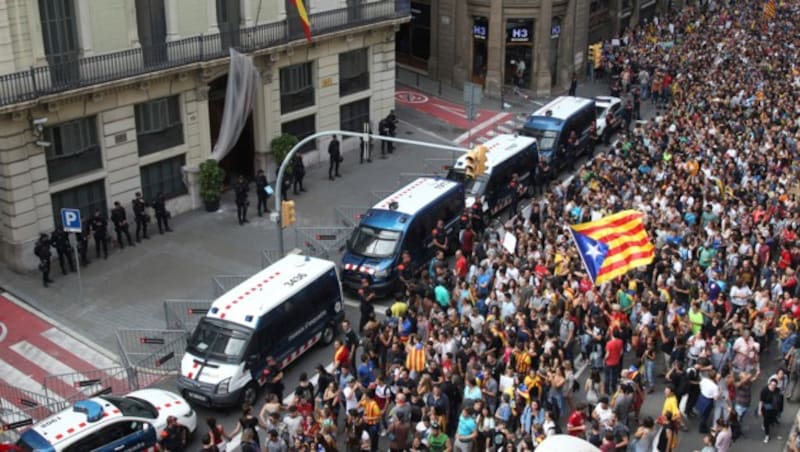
{"points": [[580, 255]]}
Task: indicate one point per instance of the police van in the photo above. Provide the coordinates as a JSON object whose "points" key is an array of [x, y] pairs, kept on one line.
{"points": [[404, 221], [507, 154], [552, 125], [109, 423], [282, 311]]}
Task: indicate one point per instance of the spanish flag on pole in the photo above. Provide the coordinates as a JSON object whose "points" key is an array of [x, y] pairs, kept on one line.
{"points": [[612, 246], [301, 11]]}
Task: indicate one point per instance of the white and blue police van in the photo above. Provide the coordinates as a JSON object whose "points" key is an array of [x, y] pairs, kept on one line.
{"points": [[403, 221], [552, 125], [282, 311], [109, 423], [507, 155]]}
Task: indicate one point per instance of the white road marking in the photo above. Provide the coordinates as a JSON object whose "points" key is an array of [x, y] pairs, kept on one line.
{"points": [[16, 378], [3, 331], [49, 364], [474, 131], [79, 349], [504, 129]]}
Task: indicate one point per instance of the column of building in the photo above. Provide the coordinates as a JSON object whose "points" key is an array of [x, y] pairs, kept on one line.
{"points": [[543, 27]]}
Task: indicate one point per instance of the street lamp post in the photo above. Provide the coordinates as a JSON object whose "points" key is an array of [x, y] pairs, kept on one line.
{"points": [[364, 136]]}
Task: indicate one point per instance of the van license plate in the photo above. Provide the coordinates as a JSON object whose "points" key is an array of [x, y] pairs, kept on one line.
{"points": [[196, 396]]}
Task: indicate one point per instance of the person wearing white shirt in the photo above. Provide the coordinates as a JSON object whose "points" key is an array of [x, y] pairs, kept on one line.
{"points": [[709, 392]]}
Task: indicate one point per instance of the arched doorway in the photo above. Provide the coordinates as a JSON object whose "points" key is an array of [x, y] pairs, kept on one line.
{"points": [[241, 159]]}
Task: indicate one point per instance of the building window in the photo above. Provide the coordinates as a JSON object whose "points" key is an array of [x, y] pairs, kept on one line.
{"points": [[88, 198], [353, 72], [158, 125], [73, 149], [60, 39], [352, 116], [302, 128], [413, 41], [164, 177], [297, 87]]}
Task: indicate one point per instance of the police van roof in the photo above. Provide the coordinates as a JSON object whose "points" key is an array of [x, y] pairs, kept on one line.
{"points": [[64, 425], [500, 149], [415, 196], [262, 292], [562, 107]]}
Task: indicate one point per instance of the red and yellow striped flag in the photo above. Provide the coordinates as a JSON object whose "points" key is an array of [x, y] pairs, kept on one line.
{"points": [[769, 9], [301, 11], [614, 245]]}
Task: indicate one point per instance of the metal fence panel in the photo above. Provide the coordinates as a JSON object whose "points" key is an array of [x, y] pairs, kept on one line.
{"points": [[184, 314], [269, 257], [349, 216], [80, 385], [157, 351], [221, 284], [326, 242], [20, 408], [438, 166]]}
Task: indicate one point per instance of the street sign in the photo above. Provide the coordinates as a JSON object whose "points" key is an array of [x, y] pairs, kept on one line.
{"points": [[71, 220], [472, 93]]}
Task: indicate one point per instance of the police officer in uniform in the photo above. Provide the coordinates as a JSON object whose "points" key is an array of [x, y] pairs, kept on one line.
{"points": [[405, 272], [120, 221], [476, 216], [335, 158], [42, 250], [440, 240], [83, 242], [298, 173], [100, 230], [391, 124], [242, 189], [594, 139], [274, 378], [383, 130], [517, 189], [261, 184], [140, 216], [162, 214], [60, 241], [365, 297]]}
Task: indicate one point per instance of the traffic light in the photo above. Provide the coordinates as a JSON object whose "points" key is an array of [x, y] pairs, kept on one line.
{"points": [[471, 164], [596, 50], [480, 166], [287, 214]]}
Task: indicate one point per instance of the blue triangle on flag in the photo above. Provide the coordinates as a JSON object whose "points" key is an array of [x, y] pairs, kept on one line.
{"points": [[592, 252]]}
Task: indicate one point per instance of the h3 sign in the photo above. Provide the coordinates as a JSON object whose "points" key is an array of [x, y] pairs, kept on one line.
{"points": [[71, 220]]}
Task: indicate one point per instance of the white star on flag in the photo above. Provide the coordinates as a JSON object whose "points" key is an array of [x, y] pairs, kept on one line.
{"points": [[593, 251]]}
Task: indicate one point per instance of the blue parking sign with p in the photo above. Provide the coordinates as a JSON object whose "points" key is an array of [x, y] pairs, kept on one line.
{"points": [[71, 220]]}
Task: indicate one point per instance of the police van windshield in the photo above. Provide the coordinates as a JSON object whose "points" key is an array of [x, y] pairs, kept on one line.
{"points": [[133, 406], [473, 187], [373, 242], [546, 138], [217, 340]]}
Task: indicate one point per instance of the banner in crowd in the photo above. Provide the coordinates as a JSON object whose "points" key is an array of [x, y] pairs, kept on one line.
{"points": [[613, 245]]}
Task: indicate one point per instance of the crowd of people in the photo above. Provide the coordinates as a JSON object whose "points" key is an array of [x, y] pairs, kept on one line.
{"points": [[483, 352]]}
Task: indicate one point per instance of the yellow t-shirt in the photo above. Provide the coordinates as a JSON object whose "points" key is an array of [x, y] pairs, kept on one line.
{"points": [[399, 309], [671, 406]]}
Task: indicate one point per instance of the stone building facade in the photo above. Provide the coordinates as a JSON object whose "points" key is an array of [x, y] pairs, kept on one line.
{"points": [[100, 99]]}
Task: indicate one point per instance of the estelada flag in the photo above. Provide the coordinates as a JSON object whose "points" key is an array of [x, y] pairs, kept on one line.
{"points": [[769, 9], [301, 11], [613, 245]]}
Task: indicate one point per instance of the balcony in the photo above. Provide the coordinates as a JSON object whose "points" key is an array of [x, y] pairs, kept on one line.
{"points": [[83, 72]]}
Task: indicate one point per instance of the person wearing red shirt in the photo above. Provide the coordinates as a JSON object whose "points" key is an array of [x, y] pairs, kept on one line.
{"points": [[576, 423], [341, 355], [468, 240], [613, 362], [461, 266]]}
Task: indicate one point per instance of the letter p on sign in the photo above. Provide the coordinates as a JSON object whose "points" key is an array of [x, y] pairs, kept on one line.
{"points": [[71, 220]]}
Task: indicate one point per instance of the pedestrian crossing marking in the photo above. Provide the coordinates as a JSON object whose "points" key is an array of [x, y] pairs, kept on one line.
{"points": [[79, 349], [48, 363], [14, 377]]}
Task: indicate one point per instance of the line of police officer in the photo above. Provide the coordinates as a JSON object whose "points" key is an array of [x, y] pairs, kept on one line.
{"points": [[97, 226]]}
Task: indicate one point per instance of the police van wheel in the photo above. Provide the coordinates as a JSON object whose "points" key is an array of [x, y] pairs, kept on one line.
{"points": [[328, 334], [250, 394]]}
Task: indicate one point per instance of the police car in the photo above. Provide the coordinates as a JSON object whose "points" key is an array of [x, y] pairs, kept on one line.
{"points": [[605, 105], [109, 423]]}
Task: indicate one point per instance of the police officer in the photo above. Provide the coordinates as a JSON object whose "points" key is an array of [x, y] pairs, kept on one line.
{"points": [[476, 216], [261, 185], [140, 216], [298, 173], [440, 240], [42, 250], [175, 437], [594, 139], [365, 297], [335, 156], [405, 271], [383, 130], [391, 124], [241, 189], [162, 214], [60, 241], [120, 221], [83, 242], [274, 378], [99, 227], [516, 189]]}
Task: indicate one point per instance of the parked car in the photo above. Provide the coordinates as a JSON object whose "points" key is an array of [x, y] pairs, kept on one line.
{"points": [[603, 106]]}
